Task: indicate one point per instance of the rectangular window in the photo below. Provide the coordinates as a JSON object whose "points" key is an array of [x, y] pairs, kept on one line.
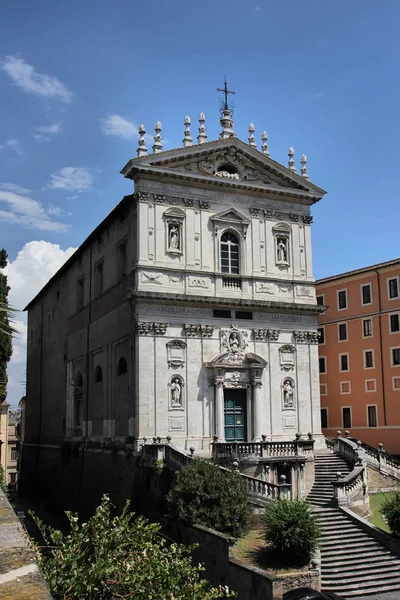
{"points": [[322, 364], [368, 359], [395, 357], [342, 299], [80, 292], [394, 323], [342, 327], [370, 385], [366, 295], [320, 300], [323, 389], [346, 417], [396, 384], [393, 288], [367, 327], [372, 417], [222, 314], [121, 260], [345, 387], [14, 454], [344, 362], [321, 335], [244, 314], [324, 418], [99, 277]]}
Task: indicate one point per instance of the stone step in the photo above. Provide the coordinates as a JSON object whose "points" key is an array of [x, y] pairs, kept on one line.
{"points": [[368, 562], [350, 583], [366, 592], [363, 571], [334, 542], [368, 546]]}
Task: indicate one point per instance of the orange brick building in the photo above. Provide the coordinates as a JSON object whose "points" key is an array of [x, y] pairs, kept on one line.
{"points": [[359, 354]]}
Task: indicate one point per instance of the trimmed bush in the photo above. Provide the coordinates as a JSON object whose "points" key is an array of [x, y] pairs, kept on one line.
{"points": [[291, 531], [203, 494], [391, 511]]}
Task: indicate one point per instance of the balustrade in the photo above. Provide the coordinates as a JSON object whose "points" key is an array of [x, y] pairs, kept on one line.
{"points": [[229, 450], [349, 488]]}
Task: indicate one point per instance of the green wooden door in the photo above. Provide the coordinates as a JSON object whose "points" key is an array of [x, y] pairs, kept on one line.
{"points": [[235, 415]]}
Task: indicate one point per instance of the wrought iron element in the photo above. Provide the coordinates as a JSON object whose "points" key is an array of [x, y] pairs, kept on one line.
{"points": [[226, 92]]}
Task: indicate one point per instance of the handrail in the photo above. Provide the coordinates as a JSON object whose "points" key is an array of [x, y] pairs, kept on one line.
{"points": [[264, 449], [351, 487]]}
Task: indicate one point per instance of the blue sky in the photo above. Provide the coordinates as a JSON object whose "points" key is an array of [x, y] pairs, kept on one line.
{"points": [[76, 78]]}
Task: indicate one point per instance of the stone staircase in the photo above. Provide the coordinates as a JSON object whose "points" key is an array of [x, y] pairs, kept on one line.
{"points": [[352, 562], [326, 467]]}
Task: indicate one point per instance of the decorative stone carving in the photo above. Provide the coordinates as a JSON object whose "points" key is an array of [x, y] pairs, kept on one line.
{"points": [[155, 278], [234, 342], [174, 219], [288, 393], [204, 204], [160, 198], [176, 385], [235, 379], [188, 201], [227, 175], [273, 334], [192, 330], [268, 214], [307, 291], [254, 212], [144, 328], [175, 278], [295, 218], [160, 328], [300, 336], [176, 353], [280, 216], [231, 217], [263, 287], [287, 357], [259, 335], [313, 337], [199, 282], [207, 331], [142, 196], [285, 289], [307, 219]]}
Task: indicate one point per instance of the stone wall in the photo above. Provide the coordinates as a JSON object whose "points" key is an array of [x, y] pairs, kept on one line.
{"points": [[216, 552], [378, 482], [20, 577]]}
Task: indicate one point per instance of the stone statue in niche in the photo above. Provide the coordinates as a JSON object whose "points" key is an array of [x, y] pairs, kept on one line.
{"points": [[282, 253], [176, 393], [288, 394], [234, 342], [174, 237]]}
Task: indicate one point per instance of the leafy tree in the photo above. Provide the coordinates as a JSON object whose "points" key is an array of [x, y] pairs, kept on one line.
{"points": [[3, 485], [291, 531], [120, 557], [391, 510], [204, 494], [6, 331]]}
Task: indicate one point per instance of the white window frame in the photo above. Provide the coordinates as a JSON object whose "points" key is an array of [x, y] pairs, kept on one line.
{"points": [[373, 359], [351, 417], [376, 415], [395, 389], [323, 329], [239, 253], [340, 362], [389, 323], [327, 416], [347, 332], [341, 388], [397, 277], [325, 386], [372, 328], [391, 357], [323, 299], [367, 391], [326, 365], [337, 299], [369, 284]]}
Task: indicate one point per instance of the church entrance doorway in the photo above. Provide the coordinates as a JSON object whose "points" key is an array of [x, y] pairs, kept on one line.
{"points": [[235, 415]]}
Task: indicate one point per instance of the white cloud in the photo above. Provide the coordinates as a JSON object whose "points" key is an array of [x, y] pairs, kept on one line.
{"points": [[313, 96], [27, 212], [257, 9], [41, 138], [27, 274], [57, 211], [74, 179], [15, 145], [117, 126], [13, 187], [54, 128], [28, 79]]}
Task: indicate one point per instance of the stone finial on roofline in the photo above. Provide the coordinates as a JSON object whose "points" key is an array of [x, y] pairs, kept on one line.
{"points": [[142, 150], [187, 139], [264, 147], [226, 124], [202, 137], [157, 146], [291, 164], [252, 139], [303, 161]]}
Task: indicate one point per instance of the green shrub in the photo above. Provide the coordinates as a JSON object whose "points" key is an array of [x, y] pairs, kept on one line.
{"points": [[203, 494], [3, 484], [391, 511], [291, 531], [122, 558]]}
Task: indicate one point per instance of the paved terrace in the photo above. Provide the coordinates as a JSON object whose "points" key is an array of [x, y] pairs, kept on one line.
{"points": [[20, 577]]}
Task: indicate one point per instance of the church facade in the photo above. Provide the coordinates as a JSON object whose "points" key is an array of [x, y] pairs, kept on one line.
{"points": [[190, 311]]}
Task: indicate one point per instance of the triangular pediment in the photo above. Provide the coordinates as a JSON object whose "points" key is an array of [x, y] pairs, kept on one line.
{"points": [[224, 162], [231, 216]]}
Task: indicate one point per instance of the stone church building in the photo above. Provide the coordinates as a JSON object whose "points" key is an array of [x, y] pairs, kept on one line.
{"points": [[189, 312]]}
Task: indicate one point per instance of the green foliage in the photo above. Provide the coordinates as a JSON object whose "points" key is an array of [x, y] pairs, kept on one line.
{"points": [[6, 330], [204, 494], [391, 511], [291, 531], [120, 557], [3, 485]]}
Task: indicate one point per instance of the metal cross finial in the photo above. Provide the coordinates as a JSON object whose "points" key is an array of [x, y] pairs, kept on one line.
{"points": [[226, 92]]}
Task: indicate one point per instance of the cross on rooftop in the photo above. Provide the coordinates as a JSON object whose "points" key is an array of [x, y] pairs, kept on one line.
{"points": [[226, 92]]}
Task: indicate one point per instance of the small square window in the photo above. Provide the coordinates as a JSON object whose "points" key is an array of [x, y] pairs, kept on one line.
{"points": [[372, 416], [395, 357], [342, 328], [366, 294], [368, 359], [324, 418], [222, 314], [320, 300], [345, 387], [322, 364], [342, 299], [370, 385], [367, 327], [393, 288], [394, 323], [346, 417], [323, 389], [396, 384], [321, 335], [344, 362], [244, 314]]}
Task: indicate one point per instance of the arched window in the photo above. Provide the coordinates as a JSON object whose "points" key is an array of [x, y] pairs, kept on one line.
{"points": [[98, 374], [122, 367], [229, 253]]}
